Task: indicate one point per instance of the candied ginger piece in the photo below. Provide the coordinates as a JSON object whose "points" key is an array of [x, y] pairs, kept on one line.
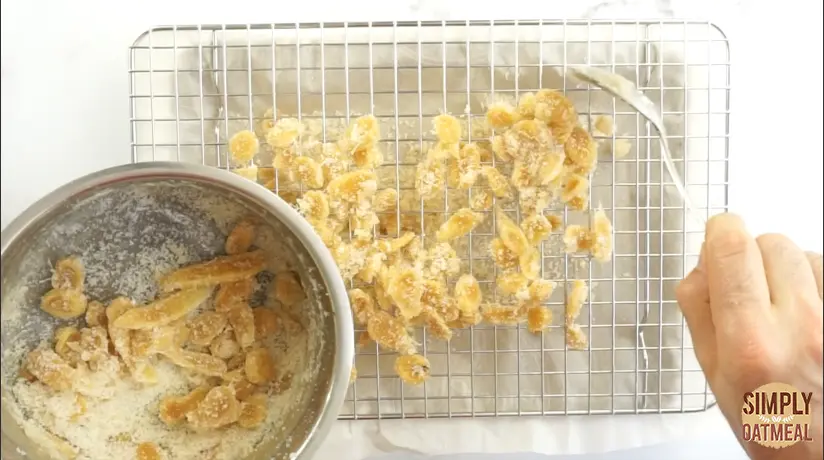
{"points": [[527, 139], [430, 177], [285, 133], [579, 203], [64, 303], [501, 115], [200, 363], [510, 234], [146, 342], [576, 339], [540, 290], [498, 183], [206, 326], [96, 314], [468, 165], [372, 266], [173, 409], [575, 186], [219, 408], [459, 224], [362, 305], [243, 388], [148, 451], [390, 333], [577, 238], [242, 320], [557, 111], [468, 294], [436, 297], [394, 245], [576, 299], [288, 289], [224, 346], [163, 311], [538, 318], [521, 175], [308, 172], [68, 273], [500, 148], [502, 255], [240, 238], [314, 206], [366, 157], [512, 283], [536, 228], [266, 322], [581, 150], [253, 411], [363, 132], [443, 260], [447, 128], [526, 106], [93, 345], [551, 168], [82, 407], [604, 125], [62, 338], [385, 200], [260, 367], [467, 320], [601, 237], [436, 324], [282, 161], [230, 294], [481, 201], [225, 269], [362, 221], [353, 186], [621, 148], [530, 263], [533, 200], [443, 150], [49, 368], [243, 146], [267, 122], [385, 302], [405, 287], [413, 369], [501, 315], [250, 173]]}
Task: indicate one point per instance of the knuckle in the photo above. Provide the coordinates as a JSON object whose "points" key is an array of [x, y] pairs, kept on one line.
{"points": [[690, 290]]}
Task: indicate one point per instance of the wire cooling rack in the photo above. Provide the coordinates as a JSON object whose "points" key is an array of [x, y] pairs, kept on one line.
{"points": [[191, 87]]}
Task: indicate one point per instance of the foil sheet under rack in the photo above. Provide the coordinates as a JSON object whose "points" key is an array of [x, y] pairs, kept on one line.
{"points": [[191, 87]]}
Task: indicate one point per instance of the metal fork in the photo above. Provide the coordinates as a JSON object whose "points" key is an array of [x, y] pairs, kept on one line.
{"points": [[623, 89]]}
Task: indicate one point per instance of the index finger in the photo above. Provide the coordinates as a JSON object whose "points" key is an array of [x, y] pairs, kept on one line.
{"points": [[735, 272]]}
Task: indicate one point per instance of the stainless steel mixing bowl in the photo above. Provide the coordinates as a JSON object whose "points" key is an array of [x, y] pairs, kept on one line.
{"points": [[116, 219]]}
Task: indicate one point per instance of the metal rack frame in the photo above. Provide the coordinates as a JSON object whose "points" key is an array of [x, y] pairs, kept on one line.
{"points": [[163, 99]]}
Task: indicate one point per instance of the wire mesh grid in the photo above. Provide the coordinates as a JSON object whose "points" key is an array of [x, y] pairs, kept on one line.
{"points": [[192, 87]]}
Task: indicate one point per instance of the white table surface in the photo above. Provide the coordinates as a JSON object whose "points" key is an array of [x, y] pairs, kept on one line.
{"points": [[65, 112]]}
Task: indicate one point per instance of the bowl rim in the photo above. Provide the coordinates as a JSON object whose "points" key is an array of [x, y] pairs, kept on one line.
{"points": [[339, 298]]}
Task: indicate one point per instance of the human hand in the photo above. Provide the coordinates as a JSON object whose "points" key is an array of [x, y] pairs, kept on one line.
{"points": [[753, 307]]}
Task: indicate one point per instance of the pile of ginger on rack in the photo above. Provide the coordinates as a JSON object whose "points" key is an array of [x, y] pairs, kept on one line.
{"points": [[397, 256]]}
